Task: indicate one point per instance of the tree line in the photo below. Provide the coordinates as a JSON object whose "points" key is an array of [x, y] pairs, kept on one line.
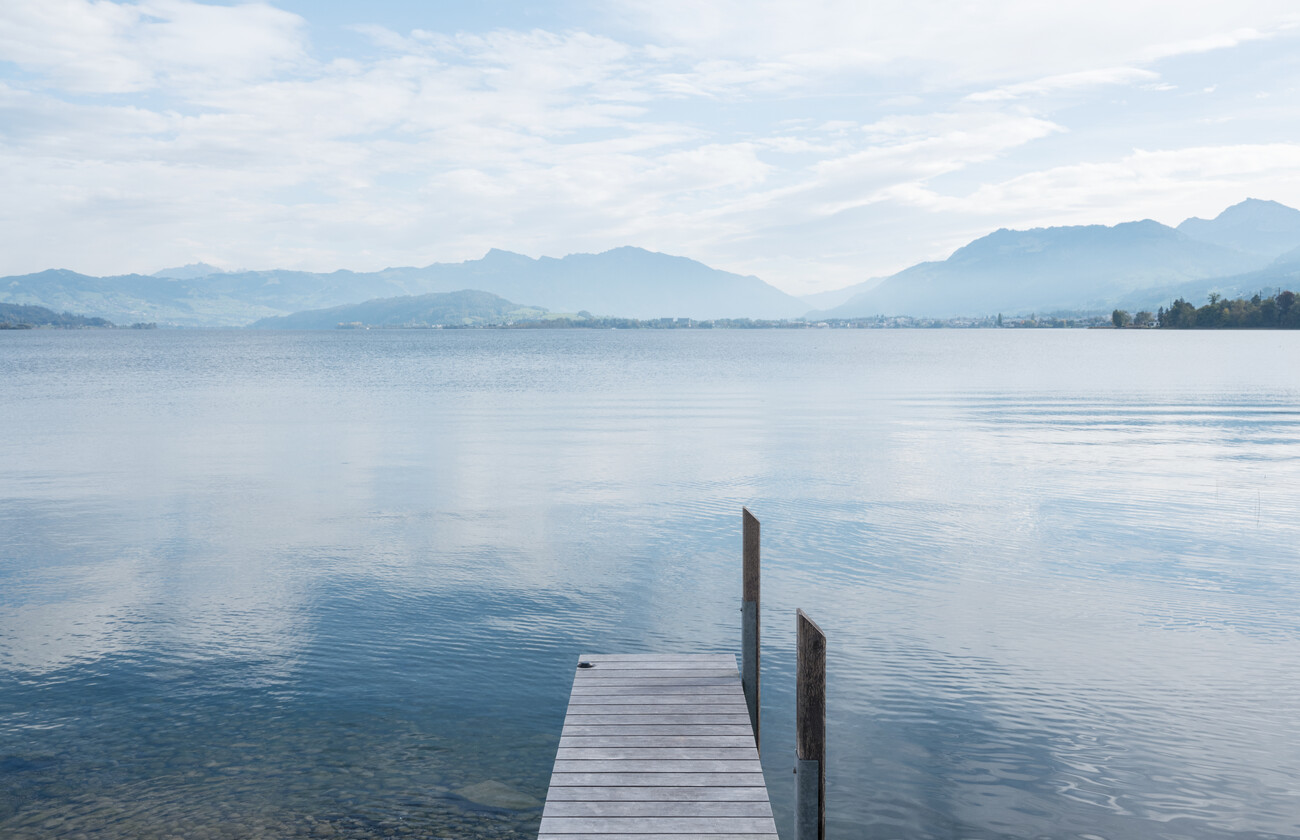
{"points": [[1277, 311]]}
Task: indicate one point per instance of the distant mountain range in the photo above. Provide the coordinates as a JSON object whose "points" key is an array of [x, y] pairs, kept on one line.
{"points": [[1250, 246], [1092, 267], [13, 314], [464, 308], [626, 282]]}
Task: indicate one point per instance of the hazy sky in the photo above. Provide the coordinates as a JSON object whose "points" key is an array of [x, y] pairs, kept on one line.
{"points": [[814, 144]]}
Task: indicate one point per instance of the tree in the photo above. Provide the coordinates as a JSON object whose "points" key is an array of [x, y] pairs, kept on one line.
{"points": [[1180, 315], [1143, 319], [1120, 318]]}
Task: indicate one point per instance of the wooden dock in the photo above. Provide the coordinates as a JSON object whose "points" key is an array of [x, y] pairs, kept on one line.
{"points": [[657, 747]]}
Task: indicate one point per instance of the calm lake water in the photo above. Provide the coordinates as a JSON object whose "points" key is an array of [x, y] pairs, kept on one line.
{"points": [[330, 584]]}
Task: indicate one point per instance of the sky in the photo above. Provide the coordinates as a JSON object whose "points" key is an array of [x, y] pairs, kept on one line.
{"points": [[814, 144]]}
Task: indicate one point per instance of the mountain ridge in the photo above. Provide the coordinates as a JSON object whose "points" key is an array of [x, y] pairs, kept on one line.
{"points": [[649, 284], [1077, 267], [467, 307]]}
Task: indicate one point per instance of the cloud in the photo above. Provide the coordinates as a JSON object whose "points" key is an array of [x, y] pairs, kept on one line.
{"points": [[161, 131], [103, 47], [953, 42], [1066, 81], [1166, 184]]}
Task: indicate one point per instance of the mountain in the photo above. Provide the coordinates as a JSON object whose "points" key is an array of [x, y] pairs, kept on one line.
{"points": [[466, 307], [627, 282], [1258, 227], [39, 316], [1077, 268], [1282, 273]]}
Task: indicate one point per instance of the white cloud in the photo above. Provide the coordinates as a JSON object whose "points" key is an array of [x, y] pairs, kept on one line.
{"points": [[1168, 185], [1066, 81], [107, 47], [953, 42], [783, 141]]}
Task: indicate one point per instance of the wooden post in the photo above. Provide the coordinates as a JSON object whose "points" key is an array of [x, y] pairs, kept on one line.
{"points": [[749, 631], [810, 730]]}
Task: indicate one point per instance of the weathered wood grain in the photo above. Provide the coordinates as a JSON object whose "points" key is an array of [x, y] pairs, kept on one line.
{"points": [[655, 748], [693, 753], [679, 672], [660, 825], [662, 715], [657, 780], [725, 658], [577, 742], [810, 708], [771, 836], [599, 808], [647, 793], [656, 700], [666, 765], [725, 688], [751, 620], [623, 728]]}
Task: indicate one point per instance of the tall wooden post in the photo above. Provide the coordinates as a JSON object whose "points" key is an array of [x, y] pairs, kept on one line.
{"points": [[810, 730], [749, 631]]}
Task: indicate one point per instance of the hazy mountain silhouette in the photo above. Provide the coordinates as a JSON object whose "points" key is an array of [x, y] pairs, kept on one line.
{"points": [[1253, 226], [627, 282], [1282, 273], [1079, 268], [40, 316], [462, 308]]}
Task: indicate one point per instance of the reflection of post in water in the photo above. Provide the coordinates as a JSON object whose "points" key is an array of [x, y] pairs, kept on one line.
{"points": [[810, 730], [749, 630]]}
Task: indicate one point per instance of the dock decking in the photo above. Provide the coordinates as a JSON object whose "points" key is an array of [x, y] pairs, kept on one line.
{"points": [[657, 747]]}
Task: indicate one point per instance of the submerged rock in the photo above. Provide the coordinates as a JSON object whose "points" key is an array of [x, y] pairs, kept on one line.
{"points": [[494, 794]]}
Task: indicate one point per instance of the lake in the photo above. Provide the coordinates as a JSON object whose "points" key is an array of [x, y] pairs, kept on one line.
{"points": [[330, 584]]}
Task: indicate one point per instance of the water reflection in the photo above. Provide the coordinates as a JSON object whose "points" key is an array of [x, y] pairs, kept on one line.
{"points": [[332, 585]]}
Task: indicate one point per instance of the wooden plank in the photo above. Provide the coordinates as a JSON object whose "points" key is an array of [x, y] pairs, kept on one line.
{"points": [[704, 765], [651, 753], [578, 742], [662, 673], [659, 657], [601, 808], [673, 664], [724, 687], [646, 793], [686, 730], [657, 699], [661, 719], [675, 836], [655, 825], [670, 694], [588, 710], [653, 678], [658, 780]]}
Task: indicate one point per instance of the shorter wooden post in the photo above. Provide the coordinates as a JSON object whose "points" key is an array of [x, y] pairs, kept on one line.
{"points": [[749, 630], [810, 730]]}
